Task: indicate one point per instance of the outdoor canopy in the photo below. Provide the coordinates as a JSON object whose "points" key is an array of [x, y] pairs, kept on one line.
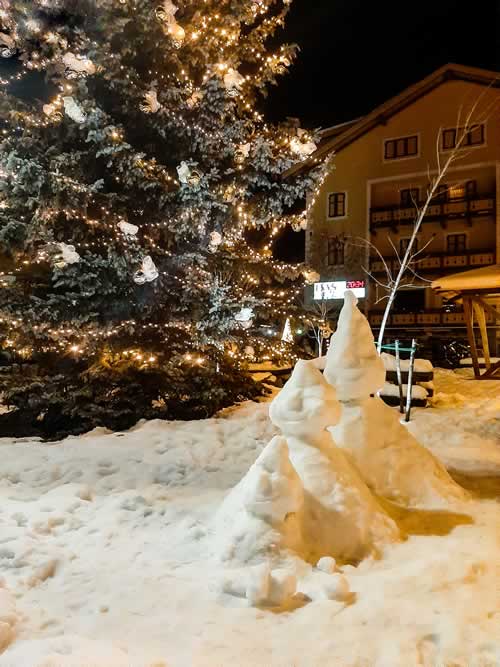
{"points": [[479, 291]]}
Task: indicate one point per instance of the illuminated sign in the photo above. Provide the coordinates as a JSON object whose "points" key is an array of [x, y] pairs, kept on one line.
{"points": [[331, 291]]}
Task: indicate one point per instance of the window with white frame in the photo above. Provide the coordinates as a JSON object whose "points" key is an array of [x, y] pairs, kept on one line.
{"points": [[337, 205], [401, 147], [458, 135]]}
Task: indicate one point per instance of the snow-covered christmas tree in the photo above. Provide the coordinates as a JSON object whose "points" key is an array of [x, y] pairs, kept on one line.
{"points": [[128, 190]]}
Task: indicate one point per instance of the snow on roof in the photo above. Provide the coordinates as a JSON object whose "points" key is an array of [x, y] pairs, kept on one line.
{"points": [[487, 278]]}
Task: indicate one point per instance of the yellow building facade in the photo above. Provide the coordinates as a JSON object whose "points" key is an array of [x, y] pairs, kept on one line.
{"points": [[381, 168]]}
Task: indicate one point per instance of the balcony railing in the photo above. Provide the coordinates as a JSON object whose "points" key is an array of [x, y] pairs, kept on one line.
{"points": [[426, 318], [453, 209], [437, 262]]}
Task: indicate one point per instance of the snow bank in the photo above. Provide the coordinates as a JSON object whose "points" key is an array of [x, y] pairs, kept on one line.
{"points": [[418, 392], [134, 559]]}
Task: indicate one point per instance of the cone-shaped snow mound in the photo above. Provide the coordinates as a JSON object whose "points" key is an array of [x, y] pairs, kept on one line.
{"points": [[261, 518], [306, 404], [353, 365], [391, 460], [341, 517]]}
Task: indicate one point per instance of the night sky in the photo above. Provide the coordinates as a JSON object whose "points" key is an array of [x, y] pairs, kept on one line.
{"points": [[355, 54]]}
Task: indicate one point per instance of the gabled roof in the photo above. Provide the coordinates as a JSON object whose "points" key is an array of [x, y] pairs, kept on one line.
{"points": [[385, 111], [335, 130]]}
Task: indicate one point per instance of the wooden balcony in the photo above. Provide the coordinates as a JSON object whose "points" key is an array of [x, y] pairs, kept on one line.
{"points": [[466, 208], [423, 319], [438, 262]]}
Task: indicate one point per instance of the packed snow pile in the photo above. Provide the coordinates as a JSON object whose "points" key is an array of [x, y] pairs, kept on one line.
{"points": [[353, 365], [262, 517], [420, 366], [8, 616], [389, 459], [341, 517], [302, 498]]}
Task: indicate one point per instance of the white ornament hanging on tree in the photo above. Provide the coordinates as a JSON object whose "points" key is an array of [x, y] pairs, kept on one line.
{"points": [[7, 45], [68, 256], [127, 228], [301, 145], [188, 176], [184, 172], [77, 66], [304, 149], [151, 104], [233, 81], [215, 241], [147, 273], [242, 152], [166, 11], [73, 110], [245, 317], [177, 33]]}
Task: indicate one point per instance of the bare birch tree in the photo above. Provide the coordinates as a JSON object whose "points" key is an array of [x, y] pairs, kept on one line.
{"points": [[319, 323]]}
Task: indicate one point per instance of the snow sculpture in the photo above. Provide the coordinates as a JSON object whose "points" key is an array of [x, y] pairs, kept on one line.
{"points": [[260, 525], [341, 517], [302, 501], [261, 518], [390, 460], [353, 365]]}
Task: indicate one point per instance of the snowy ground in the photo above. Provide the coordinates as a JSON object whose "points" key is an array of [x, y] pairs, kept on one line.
{"points": [[105, 546]]}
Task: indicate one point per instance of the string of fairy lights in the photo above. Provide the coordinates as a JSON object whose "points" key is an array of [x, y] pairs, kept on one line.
{"points": [[206, 28]]}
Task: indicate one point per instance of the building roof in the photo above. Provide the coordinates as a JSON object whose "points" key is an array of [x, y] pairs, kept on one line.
{"points": [[351, 131], [485, 279]]}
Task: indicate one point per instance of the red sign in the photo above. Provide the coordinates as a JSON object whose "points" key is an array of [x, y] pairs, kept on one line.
{"points": [[355, 284]]}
